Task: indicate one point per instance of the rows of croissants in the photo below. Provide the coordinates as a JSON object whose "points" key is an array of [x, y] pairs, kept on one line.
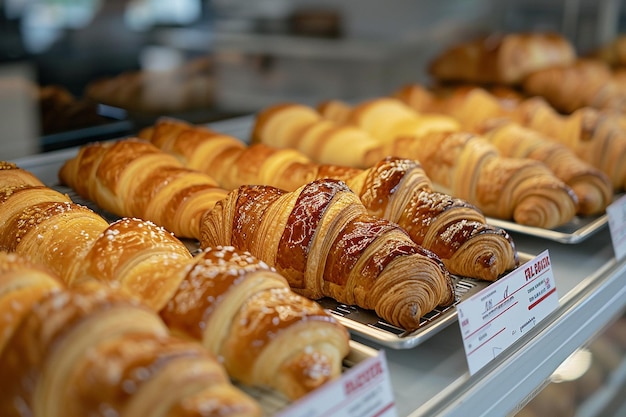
{"points": [[245, 302], [119, 318], [374, 204]]}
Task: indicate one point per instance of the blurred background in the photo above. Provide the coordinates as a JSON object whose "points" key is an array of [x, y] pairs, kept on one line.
{"points": [[80, 70]]}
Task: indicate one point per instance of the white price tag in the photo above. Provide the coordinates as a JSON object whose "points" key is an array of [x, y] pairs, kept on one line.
{"points": [[616, 213], [494, 318], [362, 391]]}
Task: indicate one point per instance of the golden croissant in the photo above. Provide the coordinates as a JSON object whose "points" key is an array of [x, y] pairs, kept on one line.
{"points": [[501, 58], [133, 178]]}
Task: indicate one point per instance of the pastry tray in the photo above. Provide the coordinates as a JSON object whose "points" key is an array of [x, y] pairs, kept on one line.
{"points": [[575, 231]]}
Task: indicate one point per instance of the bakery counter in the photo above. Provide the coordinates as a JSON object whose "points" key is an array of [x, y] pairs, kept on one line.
{"points": [[432, 378]]}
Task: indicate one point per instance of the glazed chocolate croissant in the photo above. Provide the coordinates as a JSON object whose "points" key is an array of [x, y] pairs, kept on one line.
{"points": [[395, 189], [133, 178], [322, 240], [263, 333], [90, 350], [480, 112], [150, 264]]}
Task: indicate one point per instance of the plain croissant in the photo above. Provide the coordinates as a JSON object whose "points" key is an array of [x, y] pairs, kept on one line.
{"points": [[480, 112], [322, 240], [150, 264], [133, 178], [395, 189], [90, 349], [501, 58], [585, 83]]}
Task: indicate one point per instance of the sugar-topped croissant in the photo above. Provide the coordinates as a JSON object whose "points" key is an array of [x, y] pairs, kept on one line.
{"points": [[322, 240], [133, 178], [464, 165], [395, 189], [263, 333], [480, 112], [78, 244], [92, 350], [150, 264]]}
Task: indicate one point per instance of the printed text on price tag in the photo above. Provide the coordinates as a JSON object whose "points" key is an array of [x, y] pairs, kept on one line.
{"points": [[497, 316]]}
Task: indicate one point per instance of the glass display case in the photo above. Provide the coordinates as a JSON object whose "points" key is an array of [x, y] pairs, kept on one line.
{"points": [[217, 62]]}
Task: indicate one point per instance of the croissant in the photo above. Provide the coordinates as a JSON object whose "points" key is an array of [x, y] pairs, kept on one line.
{"points": [[322, 240], [612, 53], [467, 166], [596, 137], [90, 350], [592, 187], [482, 113], [502, 58], [133, 178], [150, 264], [395, 189], [263, 333], [202, 149], [293, 125], [456, 231], [585, 83], [22, 284]]}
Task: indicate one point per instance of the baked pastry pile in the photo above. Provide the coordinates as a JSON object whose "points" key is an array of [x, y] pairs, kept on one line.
{"points": [[394, 188], [460, 163], [240, 309]]}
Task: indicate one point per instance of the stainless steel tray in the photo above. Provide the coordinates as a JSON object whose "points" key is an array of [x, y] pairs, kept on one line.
{"points": [[575, 231]]}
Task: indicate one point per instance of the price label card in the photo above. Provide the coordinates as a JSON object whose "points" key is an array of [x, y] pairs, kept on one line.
{"points": [[362, 391], [494, 318], [616, 213]]}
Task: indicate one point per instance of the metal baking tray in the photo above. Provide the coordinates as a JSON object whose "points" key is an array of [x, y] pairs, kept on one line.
{"points": [[575, 231]]}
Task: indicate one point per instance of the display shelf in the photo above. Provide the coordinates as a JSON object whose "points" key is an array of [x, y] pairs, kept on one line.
{"points": [[432, 379]]}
